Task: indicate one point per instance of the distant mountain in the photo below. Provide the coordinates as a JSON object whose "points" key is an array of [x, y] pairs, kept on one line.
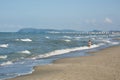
{"points": [[32, 30]]}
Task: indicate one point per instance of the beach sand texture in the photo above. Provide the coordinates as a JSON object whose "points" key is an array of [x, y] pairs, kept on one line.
{"points": [[104, 65]]}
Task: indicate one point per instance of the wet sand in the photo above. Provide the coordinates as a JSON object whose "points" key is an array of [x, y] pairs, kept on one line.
{"points": [[103, 65]]}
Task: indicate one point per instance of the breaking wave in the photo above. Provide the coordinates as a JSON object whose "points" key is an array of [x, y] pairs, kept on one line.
{"points": [[25, 52], [25, 40], [67, 40], [3, 45], [63, 51], [110, 42], [3, 57], [6, 63], [67, 37], [47, 37]]}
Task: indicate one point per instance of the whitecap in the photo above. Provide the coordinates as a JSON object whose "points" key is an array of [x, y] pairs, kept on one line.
{"points": [[67, 40], [47, 37], [25, 40], [3, 57], [3, 45], [115, 43], [6, 63], [25, 52], [17, 39], [110, 42], [106, 41], [77, 38], [67, 37], [53, 32]]}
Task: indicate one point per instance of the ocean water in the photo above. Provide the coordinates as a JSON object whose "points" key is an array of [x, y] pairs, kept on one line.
{"points": [[20, 52]]}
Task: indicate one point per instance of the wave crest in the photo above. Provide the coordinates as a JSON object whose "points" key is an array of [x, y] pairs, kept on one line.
{"points": [[25, 52], [3, 45], [110, 42], [3, 57], [47, 37], [67, 40], [6, 63], [63, 51], [25, 40]]}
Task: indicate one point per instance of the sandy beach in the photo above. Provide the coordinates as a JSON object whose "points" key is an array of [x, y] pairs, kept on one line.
{"points": [[103, 65]]}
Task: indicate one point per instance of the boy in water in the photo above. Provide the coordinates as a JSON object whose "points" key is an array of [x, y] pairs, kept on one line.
{"points": [[89, 43]]}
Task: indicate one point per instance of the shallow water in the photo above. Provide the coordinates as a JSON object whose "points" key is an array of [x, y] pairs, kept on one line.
{"points": [[19, 52]]}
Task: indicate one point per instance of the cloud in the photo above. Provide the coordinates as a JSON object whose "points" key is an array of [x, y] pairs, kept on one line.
{"points": [[108, 20]]}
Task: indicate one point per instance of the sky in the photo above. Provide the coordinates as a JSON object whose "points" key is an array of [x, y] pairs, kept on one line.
{"points": [[82, 15]]}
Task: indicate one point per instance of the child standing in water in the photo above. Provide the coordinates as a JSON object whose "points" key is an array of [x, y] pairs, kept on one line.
{"points": [[89, 43]]}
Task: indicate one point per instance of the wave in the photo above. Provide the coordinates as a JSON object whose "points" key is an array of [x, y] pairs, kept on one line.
{"points": [[53, 32], [67, 37], [77, 38], [67, 40], [6, 63], [63, 51], [3, 57], [115, 43], [25, 52], [110, 42], [25, 40], [106, 41], [47, 37], [3, 45]]}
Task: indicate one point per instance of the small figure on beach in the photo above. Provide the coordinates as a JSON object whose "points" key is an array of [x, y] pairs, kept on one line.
{"points": [[89, 43]]}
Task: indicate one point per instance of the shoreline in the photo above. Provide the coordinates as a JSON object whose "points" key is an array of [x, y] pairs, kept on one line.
{"points": [[103, 65]]}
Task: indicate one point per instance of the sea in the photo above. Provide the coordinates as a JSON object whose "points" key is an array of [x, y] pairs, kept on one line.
{"points": [[20, 52]]}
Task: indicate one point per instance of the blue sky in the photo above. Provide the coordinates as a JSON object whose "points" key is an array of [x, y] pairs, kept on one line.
{"points": [[59, 14]]}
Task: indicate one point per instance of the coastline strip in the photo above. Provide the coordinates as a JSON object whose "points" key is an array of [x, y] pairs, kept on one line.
{"points": [[104, 65]]}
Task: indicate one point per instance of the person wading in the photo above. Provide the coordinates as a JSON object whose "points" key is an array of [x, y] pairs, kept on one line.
{"points": [[89, 43]]}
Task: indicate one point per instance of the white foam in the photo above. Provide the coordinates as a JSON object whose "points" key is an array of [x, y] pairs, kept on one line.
{"points": [[3, 57], [25, 40], [17, 39], [47, 37], [3, 45], [25, 52], [110, 42], [6, 63], [53, 32], [67, 37], [63, 51], [106, 41], [115, 43], [77, 38], [67, 40]]}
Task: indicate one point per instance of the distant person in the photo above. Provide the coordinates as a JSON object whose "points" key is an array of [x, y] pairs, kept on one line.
{"points": [[89, 43]]}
